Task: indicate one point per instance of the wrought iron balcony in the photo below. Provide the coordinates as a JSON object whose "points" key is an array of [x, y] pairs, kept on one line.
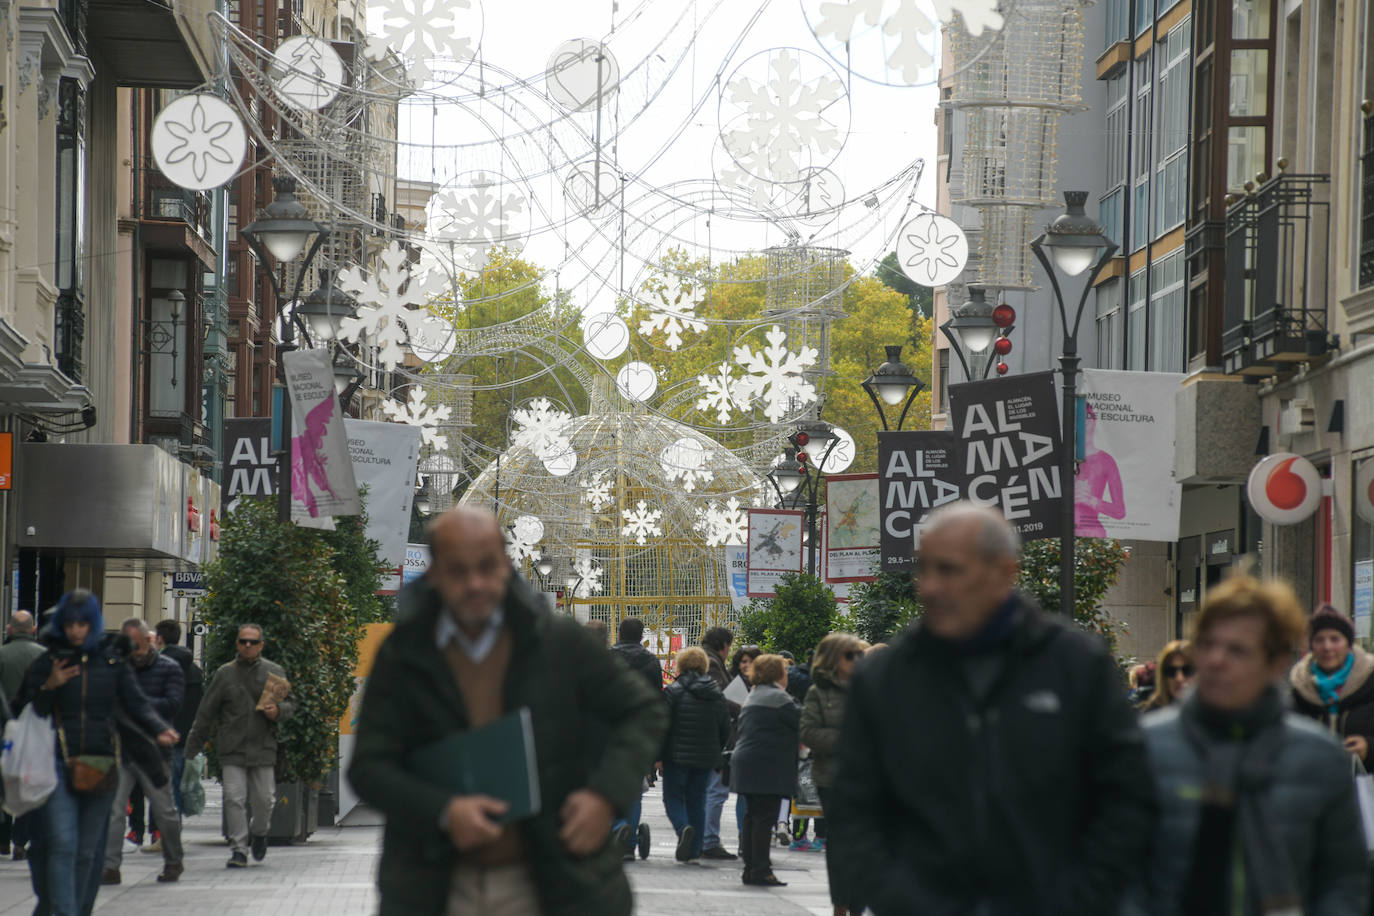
{"points": [[1367, 201]]}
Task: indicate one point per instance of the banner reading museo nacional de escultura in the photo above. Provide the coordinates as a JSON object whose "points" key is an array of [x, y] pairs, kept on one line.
{"points": [[322, 482]]}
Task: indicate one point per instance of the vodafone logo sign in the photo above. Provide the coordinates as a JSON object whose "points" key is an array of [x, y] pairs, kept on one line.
{"points": [[1284, 488], [1364, 491]]}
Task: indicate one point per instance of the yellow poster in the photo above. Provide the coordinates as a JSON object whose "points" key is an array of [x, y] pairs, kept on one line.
{"points": [[373, 636]]}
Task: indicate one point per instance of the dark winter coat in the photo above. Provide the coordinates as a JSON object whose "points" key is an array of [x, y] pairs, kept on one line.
{"points": [[16, 655], [765, 757], [717, 672], [596, 725], [641, 660], [1035, 800], [194, 679], [798, 682], [229, 715], [162, 683], [1354, 712], [105, 689], [821, 719], [699, 722]]}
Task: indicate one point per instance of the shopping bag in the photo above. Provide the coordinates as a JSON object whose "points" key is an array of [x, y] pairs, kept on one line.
{"points": [[192, 789], [28, 761], [1364, 791], [806, 801]]}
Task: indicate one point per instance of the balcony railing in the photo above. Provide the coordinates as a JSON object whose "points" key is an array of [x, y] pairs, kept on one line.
{"points": [[163, 200], [1367, 201]]}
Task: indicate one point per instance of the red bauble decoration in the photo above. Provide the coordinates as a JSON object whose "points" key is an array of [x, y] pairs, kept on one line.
{"points": [[801, 439], [1002, 345], [1002, 368], [801, 457], [1004, 316], [801, 469]]}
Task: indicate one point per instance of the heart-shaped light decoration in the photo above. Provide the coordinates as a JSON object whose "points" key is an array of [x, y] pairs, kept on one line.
{"points": [[605, 336], [637, 381]]}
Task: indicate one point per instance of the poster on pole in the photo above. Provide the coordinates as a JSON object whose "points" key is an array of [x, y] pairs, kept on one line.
{"points": [[1008, 430], [1364, 597], [918, 472], [851, 528], [384, 457], [250, 470], [775, 549], [322, 482], [1125, 486], [737, 574]]}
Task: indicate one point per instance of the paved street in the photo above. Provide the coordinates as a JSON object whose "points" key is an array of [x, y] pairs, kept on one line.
{"points": [[333, 875]]}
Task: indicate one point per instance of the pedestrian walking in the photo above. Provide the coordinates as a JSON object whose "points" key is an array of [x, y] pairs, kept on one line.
{"points": [[84, 686], [630, 832], [989, 762], [1332, 682], [821, 720], [162, 683], [763, 767], [167, 638], [1172, 676], [698, 730], [482, 644], [243, 723], [20, 650], [1258, 808], [741, 666], [798, 677], [716, 642]]}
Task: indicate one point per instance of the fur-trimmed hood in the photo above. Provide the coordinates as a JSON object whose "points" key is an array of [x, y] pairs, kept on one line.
{"points": [[1305, 683]]}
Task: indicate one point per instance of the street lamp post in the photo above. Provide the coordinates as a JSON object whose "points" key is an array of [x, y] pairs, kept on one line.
{"points": [[284, 230], [1076, 243], [797, 485], [977, 328], [893, 384]]}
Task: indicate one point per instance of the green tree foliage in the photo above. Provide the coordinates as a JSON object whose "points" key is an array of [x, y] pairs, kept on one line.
{"points": [[881, 609], [803, 612], [1097, 567], [921, 299], [357, 559], [284, 578]]}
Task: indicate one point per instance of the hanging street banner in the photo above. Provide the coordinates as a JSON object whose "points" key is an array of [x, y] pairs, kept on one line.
{"points": [[385, 456], [919, 471], [322, 482], [1008, 431], [851, 528], [1125, 486], [775, 549], [737, 574], [251, 470]]}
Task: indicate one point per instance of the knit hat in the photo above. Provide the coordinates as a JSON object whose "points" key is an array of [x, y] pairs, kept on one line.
{"points": [[1327, 617]]}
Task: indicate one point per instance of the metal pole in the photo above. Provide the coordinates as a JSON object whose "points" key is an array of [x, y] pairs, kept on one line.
{"points": [[811, 526], [1068, 363]]}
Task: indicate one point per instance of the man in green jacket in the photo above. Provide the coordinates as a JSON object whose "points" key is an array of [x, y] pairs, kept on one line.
{"points": [[478, 644]]}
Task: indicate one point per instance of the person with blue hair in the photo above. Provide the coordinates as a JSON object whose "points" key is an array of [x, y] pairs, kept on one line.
{"points": [[83, 686]]}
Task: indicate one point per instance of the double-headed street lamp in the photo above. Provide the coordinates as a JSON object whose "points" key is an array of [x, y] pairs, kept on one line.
{"points": [[893, 384], [1076, 243], [977, 328], [797, 477]]}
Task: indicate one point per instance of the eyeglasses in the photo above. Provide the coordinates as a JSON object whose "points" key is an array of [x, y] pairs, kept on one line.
{"points": [[852, 654], [1176, 670], [250, 642]]}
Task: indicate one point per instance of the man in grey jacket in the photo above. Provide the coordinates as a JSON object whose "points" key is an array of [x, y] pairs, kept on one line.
{"points": [[19, 651], [1258, 807], [246, 739]]}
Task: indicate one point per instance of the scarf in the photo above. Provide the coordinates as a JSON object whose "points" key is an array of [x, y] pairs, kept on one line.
{"points": [[995, 632], [1238, 752], [1329, 685]]}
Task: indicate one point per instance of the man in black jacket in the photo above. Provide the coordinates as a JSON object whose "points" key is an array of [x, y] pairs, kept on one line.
{"points": [[989, 761], [629, 832], [717, 642], [476, 645], [167, 638]]}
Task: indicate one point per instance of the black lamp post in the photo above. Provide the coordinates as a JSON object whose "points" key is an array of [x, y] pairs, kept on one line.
{"points": [[797, 478], [283, 231], [1076, 243], [977, 328], [424, 497], [893, 384], [322, 313]]}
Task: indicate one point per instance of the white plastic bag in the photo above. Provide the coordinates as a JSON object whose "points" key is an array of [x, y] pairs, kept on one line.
{"points": [[1364, 791], [28, 761]]}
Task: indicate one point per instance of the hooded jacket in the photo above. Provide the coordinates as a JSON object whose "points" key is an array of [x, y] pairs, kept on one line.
{"points": [[821, 719], [596, 725], [1354, 712], [1029, 797], [194, 680], [699, 722], [16, 655], [161, 681], [765, 757], [641, 660]]}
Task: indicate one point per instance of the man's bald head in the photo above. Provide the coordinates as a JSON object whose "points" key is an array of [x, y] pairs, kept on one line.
{"points": [[966, 568], [468, 566], [22, 624]]}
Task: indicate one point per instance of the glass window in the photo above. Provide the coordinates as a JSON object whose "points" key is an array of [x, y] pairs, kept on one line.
{"points": [[1249, 83], [1118, 21], [1110, 211], [1135, 329], [1167, 314], [1244, 156], [1250, 19], [1144, 15], [944, 380], [1171, 134], [1117, 130], [1109, 325]]}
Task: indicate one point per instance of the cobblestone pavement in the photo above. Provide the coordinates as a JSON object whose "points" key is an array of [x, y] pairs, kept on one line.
{"points": [[332, 876]]}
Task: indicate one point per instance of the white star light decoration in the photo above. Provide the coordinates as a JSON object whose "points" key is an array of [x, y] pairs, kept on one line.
{"points": [[724, 525], [476, 215], [588, 574], [931, 249], [387, 298], [415, 412], [525, 533], [674, 313], [774, 376], [788, 125], [596, 490], [420, 30], [199, 141], [686, 461], [915, 24], [641, 523]]}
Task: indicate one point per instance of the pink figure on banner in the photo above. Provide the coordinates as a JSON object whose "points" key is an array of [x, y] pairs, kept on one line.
{"points": [[1097, 489], [307, 461]]}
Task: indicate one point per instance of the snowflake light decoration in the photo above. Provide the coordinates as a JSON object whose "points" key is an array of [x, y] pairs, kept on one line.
{"points": [[641, 523], [525, 533], [723, 525], [539, 428], [774, 375], [588, 573], [719, 393], [674, 313], [931, 249], [596, 490], [914, 25], [416, 412], [788, 124], [686, 461], [420, 30], [476, 213], [387, 298]]}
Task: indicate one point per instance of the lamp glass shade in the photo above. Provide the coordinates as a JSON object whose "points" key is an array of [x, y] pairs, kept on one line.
{"points": [[891, 393], [321, 324], [1073, 259], [545, 566], [342, 377], [788, 481], [284, 246], [422, 504], [978, 339]]}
